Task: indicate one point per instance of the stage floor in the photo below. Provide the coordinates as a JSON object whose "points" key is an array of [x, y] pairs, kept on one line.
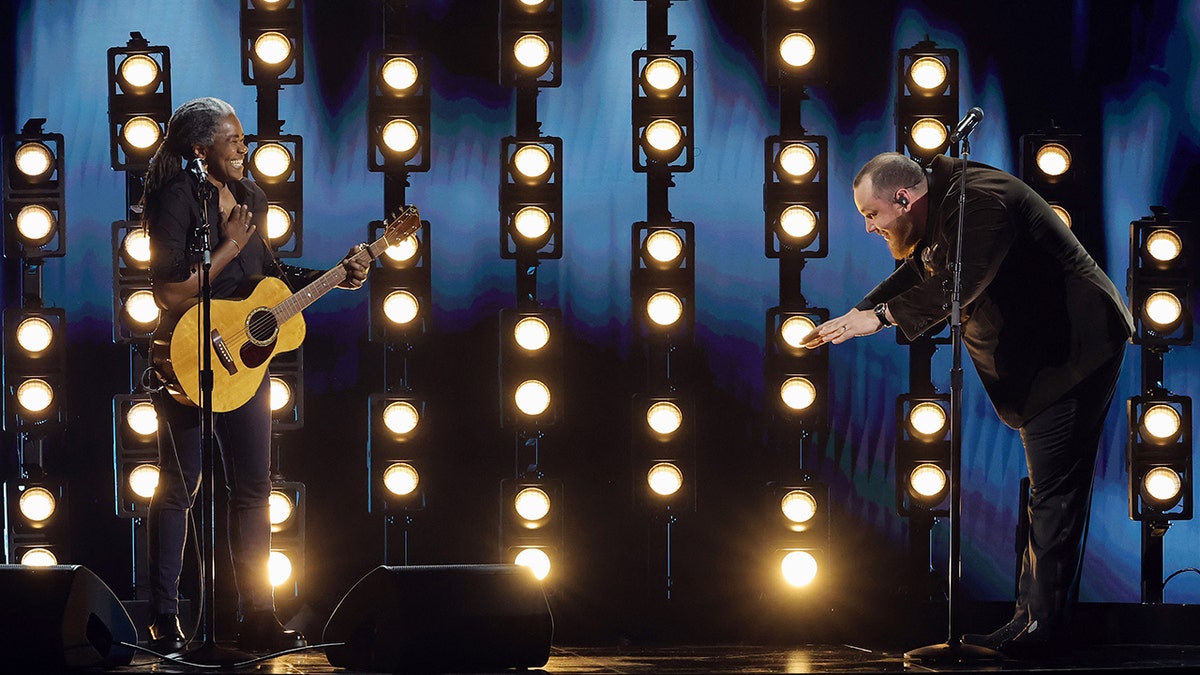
{"points": [[636, 660]]}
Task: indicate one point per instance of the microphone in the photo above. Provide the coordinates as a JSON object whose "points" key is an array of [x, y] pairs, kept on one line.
{"points": [[966, 125], [198, 168]]}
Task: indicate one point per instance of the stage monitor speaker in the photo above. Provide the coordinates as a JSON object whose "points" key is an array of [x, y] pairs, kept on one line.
{"points": [[440, 618], [61, 616]]}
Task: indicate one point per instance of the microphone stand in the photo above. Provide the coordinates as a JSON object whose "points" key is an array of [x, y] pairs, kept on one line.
{"points": [[208, 652], [954, 649]]}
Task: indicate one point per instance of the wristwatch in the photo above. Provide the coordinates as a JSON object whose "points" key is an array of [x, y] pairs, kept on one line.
{"points": [[881, 313]]}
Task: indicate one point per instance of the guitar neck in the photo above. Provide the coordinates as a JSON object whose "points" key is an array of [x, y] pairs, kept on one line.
{"points": [[301, 299]]}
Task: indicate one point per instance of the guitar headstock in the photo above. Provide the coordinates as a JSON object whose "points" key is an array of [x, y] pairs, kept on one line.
{"points": [[401, 225]]}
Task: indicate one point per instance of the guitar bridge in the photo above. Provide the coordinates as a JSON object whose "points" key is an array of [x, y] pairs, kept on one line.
{"points": [[223, 354]]}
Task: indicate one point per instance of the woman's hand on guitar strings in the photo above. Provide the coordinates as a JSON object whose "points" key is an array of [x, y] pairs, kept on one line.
{"points": [[356, 268]]}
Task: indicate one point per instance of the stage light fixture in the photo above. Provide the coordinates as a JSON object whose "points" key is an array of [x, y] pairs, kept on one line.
{"points": [[797, 378], [135, 454], [530, 43], [272, 42], [1160, 280], [34, 369], [922, 454], [799, 532], [287, 505], [286, 380], [795, 41], [664, 479], [139, 102], [397, 453], [664, 450], [399, 287], [662, 279], [531, 363], [926, 100], [531, 210], [276, 163], [1159, 457], [539, 560], [36, 517], [796, 196], [398, 116], [663, 111], [1054, 164], [135, 314], [531, 518], [34, 201]]}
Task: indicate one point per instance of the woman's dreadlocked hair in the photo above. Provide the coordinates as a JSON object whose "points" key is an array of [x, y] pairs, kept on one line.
{"points": [[193, 123]]}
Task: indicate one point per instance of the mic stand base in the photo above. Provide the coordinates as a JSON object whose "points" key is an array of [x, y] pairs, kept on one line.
{"points": [[953, 651], [211, 654]]}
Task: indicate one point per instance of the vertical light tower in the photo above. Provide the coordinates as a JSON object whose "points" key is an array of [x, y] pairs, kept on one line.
{"points": [[398, 128], [796, 532], [662, 286], [531, 335]]}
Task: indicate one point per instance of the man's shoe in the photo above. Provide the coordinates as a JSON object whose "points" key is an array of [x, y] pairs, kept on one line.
{"points": [[166, 637], [262, 632], [996, 638]]}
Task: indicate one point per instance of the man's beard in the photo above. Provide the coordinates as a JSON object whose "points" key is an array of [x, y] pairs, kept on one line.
{"points": [[902, 240]]}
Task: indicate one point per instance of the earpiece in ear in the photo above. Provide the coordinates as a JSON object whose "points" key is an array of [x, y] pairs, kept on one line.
{"points": [[902, 201]]}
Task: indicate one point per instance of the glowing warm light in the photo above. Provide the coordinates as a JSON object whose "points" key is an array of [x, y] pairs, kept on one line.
{"points": [[798, 506], [532, 504], [664, 308], [279, 568], [532, 222], [798, 221], [272, 48], [141, 308], [799, 568], [532, 51], [280, 508], [136, 246], [795, 329], [141, 132], [927, 480], [927, 418], [664, 417], [1162, 484], [280, 395], [401, 479], [404, 250], [662, 75], [1162, 309], [532, 162], [663, 135], [532, 397], [142, 418], [798, 393], [1161, 422], [928, 72], [37, 504], [35, 223], [536, 560], [929, 134], [797, 160], [401, 417], [400, 136], [35, 395], [401, 307], [664, 246], [531, 333], [34, 334], [272, 160], [1053, 159], [1164, 245], [399, 73], [143, 480], [797, 50], [1063, 214], [33, 159], [279, 222], [139, 71], [38, 557], [664, 479]]}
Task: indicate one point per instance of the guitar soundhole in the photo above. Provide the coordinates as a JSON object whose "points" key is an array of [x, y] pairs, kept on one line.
{"points": [[261, 327]]}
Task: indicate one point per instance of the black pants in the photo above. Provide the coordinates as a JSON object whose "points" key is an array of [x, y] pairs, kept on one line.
{"points": [[1061, 444], [243, 437]]}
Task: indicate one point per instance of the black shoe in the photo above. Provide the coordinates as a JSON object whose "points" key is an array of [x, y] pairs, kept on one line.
{"points": [[996, 638], [262, 632], [1019, 640], [166, 637]]}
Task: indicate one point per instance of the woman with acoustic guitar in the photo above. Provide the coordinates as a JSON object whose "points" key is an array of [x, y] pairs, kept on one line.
{"points": [[196, 178]]}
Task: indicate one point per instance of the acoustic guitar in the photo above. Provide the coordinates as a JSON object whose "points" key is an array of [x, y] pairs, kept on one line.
{"points": [[247, 334]]}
